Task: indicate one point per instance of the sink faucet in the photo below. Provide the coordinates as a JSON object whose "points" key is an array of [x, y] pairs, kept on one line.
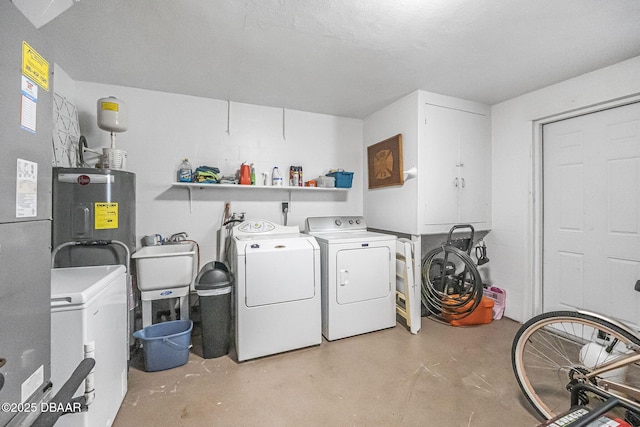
{"points": [[178, 237]]}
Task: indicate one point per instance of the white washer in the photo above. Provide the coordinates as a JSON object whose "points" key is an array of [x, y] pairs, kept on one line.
{"points": [[358, 276], [277, 289]]}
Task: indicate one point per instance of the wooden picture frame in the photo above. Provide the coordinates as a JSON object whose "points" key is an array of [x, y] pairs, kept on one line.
{"points": [[385, 163]]}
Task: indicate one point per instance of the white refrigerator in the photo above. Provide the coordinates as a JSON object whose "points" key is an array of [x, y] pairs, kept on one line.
{"points": [[89, 318]]}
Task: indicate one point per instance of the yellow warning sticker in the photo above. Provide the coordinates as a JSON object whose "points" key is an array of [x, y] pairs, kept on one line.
{"points": [[106, 215], [109, 106], [34, 66]]}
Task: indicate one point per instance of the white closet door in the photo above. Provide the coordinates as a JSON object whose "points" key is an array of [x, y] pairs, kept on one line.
{"points": [[592, 213]]}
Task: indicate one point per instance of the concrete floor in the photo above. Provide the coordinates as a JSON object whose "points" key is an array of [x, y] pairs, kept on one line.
{"points": [[442, 376]]}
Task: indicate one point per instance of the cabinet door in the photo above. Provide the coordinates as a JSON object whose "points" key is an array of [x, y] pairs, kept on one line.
{"points": [[474, 168], [457, 163], [440, 156]]}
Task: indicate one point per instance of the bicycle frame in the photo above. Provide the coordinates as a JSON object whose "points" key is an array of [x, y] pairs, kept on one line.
{"points": [[608, 385], [620, 362]]}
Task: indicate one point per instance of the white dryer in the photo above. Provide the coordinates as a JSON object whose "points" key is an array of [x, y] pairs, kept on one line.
{"points": [[276, 271], [358, 276]]}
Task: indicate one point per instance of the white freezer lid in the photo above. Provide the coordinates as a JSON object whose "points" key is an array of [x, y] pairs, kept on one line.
{"points": [[78, 285], [352, 237]]}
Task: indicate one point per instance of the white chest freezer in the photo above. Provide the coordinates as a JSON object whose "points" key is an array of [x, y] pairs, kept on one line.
{"points": [[89, 311]]}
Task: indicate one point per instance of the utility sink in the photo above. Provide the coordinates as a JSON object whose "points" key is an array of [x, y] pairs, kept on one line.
{"points": [[165, 266]]}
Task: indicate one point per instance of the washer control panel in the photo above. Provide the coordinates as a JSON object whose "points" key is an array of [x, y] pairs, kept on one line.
{"points": [[256, 226], [260, 227], [325, 224]]}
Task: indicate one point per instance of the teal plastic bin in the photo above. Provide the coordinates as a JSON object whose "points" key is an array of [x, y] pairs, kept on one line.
{"points": [[343, 179], [165, 345]]}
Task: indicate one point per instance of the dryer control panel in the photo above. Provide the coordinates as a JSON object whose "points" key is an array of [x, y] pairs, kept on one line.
{"points": [[325, 224]]}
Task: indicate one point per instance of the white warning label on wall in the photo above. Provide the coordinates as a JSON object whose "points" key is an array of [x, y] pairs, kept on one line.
{"points": [[26, 189]]}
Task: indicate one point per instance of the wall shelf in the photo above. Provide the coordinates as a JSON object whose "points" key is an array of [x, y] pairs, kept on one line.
{"points": [[260, 188]]}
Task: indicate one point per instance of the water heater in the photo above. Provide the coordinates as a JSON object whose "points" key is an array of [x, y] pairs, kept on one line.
{"points": [[93, 205]]}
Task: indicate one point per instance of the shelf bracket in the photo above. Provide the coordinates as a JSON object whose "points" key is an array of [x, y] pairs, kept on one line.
{"points": [[190, 200]]}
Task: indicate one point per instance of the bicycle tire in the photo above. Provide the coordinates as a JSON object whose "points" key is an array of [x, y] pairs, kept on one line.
{"points": [[555, 343]]}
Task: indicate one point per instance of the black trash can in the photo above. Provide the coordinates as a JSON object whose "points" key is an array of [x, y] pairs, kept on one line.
{"points": [[213, 285]]}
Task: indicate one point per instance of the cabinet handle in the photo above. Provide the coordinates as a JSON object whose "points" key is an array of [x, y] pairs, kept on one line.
{"points": [[462, 181], [455, 182]]}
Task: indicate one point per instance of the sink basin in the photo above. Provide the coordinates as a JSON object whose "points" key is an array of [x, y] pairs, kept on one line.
{"points": [[165, 266]]}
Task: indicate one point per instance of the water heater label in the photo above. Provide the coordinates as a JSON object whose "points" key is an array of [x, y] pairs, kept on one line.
{"points": [[109, 106], [106, 215]]}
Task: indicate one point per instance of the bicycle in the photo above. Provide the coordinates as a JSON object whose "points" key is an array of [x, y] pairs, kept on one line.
{"points": [[554, 352]]}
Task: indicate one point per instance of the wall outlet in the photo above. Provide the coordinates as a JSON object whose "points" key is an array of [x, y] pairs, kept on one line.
{"points": [[285, 207]]}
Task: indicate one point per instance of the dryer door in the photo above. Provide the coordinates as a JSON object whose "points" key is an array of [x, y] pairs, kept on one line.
{"points": [[362, 274], [279, 271]]}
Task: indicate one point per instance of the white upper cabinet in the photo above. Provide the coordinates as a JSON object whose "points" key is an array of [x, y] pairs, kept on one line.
{"points": [[448, 140], [454, 160]]}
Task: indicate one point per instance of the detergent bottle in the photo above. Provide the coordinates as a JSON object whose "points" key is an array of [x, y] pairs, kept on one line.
{"points": [[245, 174], [276, 178], [185, 173]]}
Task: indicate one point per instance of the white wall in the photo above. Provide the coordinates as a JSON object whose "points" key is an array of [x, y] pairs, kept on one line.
{"points": [[511, 242], [164, 128], [387, 208], [63, 83]]}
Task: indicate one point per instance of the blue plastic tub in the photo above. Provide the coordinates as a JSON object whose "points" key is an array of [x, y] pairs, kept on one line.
{"points": [[165, 345], [343, 179]]}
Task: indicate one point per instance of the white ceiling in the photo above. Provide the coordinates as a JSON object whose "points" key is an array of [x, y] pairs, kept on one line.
{"points": [[342, 57]]}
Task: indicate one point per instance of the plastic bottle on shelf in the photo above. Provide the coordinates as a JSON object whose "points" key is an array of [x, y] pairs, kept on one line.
{"points": [[276, 178], [296, 177], [185, 173]]}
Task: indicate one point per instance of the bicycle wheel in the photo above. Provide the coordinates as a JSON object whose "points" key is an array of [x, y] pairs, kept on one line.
{"points": [[553, 351]]}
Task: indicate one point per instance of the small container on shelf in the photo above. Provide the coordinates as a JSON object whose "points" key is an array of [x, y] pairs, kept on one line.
{"points": [[343, 179], [185, 172], [326, 182]]}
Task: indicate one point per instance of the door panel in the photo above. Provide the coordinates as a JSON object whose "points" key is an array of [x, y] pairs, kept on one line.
{"points": [[279, 271], [592, 213], [25, 311], [440, 160], [475, 160], [362, 274]]}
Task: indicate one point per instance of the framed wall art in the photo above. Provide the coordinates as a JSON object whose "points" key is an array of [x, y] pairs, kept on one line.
{"points": [[385, 163]]}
